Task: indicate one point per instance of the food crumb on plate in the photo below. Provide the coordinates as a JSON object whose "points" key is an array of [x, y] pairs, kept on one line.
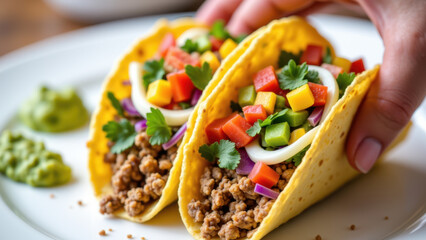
{"points": [[352, 227], [102, 233], [80, 203], [318, 237], [129, 236], [52, 195], [143, 238], [386, 217], [110, 230]]}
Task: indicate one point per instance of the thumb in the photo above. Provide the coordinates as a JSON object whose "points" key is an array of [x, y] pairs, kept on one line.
{"points": [[392, 99]]}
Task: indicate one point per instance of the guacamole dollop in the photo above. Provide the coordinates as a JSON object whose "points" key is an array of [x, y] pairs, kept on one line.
{"points": [[24, 160], [54, 111]]}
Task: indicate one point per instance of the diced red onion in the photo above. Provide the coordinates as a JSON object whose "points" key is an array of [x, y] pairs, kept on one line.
{"points": [[264, 191], [246, 164], [196, 96], [141, 125], [126, 83], [178, 136], [129, 107], [315, 116]]}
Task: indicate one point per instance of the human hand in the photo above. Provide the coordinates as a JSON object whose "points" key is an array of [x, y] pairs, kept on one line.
{"points": [[401, 85]]}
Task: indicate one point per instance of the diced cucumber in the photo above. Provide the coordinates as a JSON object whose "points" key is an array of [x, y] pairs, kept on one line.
{"points": [[279, 103], [277, 134], [203, 44], [246, 96], [295, 119], [307, 126]]}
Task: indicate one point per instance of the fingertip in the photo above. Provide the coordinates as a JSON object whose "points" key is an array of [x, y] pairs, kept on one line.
{"points": [[213, 10]]}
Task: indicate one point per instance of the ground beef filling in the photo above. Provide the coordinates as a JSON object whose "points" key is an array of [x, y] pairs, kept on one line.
{"points": [[229, 207], [139, 176]]}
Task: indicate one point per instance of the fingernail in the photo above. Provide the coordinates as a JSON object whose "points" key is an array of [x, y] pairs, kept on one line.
{"points": [[367, 153]]}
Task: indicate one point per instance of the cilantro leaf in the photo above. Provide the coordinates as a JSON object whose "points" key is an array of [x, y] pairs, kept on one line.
{"points": [[219, 31], [297, 158], [293, 76], [184, 105], [285, 57], [271, 118], [200, 77], [122, 133], [235, 107], [115, 103], [312, 76], [344, 80], [255, 129], [153, 71], [157, 127], [239, 38], [225, 151], [327, 57], [190, 46]]}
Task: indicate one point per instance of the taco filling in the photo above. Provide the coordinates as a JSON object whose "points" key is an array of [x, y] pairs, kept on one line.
{"points": [[254, 152], [148, 128]]}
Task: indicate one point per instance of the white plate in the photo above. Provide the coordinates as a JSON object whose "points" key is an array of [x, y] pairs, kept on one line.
{"points": [[82, 59]]}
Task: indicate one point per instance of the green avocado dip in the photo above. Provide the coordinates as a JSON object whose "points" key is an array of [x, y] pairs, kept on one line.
{"points": [[54, 111], [24, 160]]}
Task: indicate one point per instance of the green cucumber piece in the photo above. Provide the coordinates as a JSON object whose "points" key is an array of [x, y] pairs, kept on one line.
{"points": [[246, 96], [277, 135]]}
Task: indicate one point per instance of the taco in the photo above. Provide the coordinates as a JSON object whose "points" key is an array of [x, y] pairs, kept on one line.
{"points": [[269, 140], [143, 120]]}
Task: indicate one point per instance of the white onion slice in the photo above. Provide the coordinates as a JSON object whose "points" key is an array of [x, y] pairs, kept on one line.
{"points": [[173, 117], [193, 34], [257, 153]]}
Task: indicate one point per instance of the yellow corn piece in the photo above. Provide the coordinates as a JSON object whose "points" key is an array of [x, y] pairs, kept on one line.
{"points": [[267, 100], [227, 48], [211, 59], [159, 93], [296, 134], [343, 63], [300, 98]]}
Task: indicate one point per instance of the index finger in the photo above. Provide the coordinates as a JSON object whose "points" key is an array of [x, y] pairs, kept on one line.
{"points": [[213, 10]]}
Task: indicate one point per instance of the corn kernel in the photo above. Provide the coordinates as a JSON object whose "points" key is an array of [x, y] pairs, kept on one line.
{"points": [[343, 63], [211, 59], [296, 134], [159, 93], [227, 47], [300, 98], [267, 100]]}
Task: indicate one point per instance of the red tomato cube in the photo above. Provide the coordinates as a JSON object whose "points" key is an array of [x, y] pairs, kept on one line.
{"points": [[167, 42], [254, 112], [214, 130], [357, 66], [319, 92], [182, 86], [216, 43], [264, 175], [236, 129], [335, 70], [266, 81], [177, 58], [312, 55]]}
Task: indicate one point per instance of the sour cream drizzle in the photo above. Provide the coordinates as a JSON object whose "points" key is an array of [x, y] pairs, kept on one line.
{"points": [[257, 153], [173, 117]]}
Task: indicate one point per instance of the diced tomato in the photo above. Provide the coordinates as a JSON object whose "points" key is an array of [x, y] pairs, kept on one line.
{"points": [[167, 42], [264, 175], [236, 129], [254, 112], [312, 55], [216, 43], [319, 92], [182, 86], [177, 58], [214, 130], [265, 80], [357, 66], [335, 70], [171, 105]]}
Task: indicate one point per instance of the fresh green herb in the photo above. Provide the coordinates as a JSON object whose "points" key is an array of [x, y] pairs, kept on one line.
{"points": [[235, 107], [115, 103], [293, 76], [219, 31], [121, 133], [157, 127], [240, 38], [200, 77], [190, 46], [327, 57], [344, 80], [224, 151], [312, 76], [271, 118], [153, 71], [297, 158], [255, 129], [184, 105], [285, 57]]}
